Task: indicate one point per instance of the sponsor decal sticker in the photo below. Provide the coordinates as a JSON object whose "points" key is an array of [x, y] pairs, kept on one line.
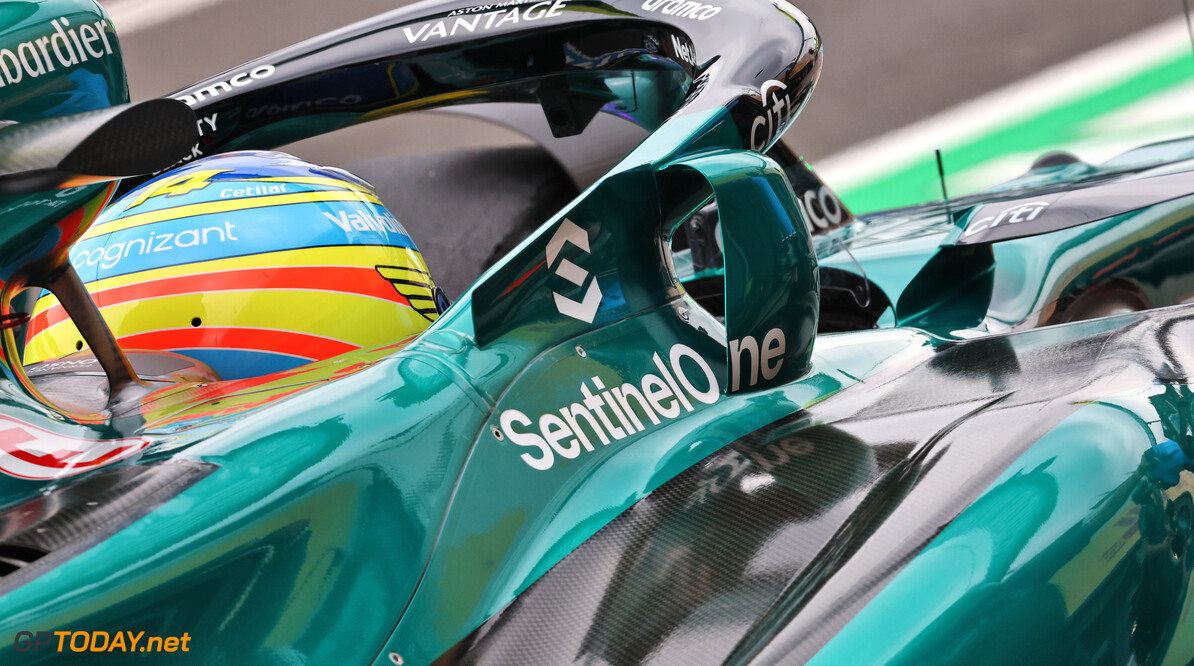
{"points": [[821, 207], [685, 8], [252, 191], [481, 18], [110, 255], [767, 358], [684, 50], [206, 231], [64, 46], [604, 415], [207, 124], [1026, 212], [380, 221], [30, 452], [586, 308], [777, 113], [218, 88]]}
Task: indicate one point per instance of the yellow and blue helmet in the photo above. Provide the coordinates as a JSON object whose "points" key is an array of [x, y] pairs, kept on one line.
{"points": [[251, 262]]}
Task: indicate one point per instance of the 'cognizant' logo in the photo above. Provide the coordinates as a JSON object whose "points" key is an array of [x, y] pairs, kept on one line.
{"points": [[613, 414], [108, 256]]}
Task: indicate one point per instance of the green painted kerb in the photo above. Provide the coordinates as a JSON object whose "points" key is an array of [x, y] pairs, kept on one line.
{"points": [[1065, 126]]}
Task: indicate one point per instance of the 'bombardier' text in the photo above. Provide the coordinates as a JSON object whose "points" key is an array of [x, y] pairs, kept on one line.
{"points": [[66, 47]]}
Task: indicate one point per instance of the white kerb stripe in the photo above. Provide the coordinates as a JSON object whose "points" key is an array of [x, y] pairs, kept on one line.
{"points": [[1097, 69]]}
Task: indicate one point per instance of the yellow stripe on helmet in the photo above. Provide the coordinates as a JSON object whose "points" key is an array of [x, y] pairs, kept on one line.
{"points": [[311, 180], [317, 313], [350, 256], [215, 207]]}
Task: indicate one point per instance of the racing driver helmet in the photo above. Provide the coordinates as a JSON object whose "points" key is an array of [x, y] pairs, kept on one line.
{"points": [[251, 262]]}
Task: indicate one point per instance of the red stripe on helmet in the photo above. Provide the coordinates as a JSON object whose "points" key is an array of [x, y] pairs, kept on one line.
{"points": [[342, 279], [312, 347]]}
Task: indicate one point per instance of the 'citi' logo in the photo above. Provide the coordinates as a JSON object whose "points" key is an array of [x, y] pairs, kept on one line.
{"points": [[1025, 212], [777, 113]]}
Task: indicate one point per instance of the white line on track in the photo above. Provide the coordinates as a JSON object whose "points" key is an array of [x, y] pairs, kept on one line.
{"points": [[129, 16], [1100, 68]]}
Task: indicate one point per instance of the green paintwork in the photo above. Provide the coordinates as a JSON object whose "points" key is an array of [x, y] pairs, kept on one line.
{"points": [[66, 77], [1074, 546], [69, 80], [313, 485], [386, 494], [394, 500], [39, 87], [770, 270]]}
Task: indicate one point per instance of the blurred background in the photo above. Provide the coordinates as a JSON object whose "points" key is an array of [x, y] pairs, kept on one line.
{"points": [[991, 84]]}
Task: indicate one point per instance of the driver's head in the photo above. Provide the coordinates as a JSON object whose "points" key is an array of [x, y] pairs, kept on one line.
{"points": [[252, 262]]}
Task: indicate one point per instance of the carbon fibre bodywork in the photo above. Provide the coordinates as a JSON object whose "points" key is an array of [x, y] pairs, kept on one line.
{"points": [[929, 513], [578, 463]]}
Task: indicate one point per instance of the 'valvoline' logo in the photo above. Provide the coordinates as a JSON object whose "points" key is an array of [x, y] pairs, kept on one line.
{"points": [[381, 222]]}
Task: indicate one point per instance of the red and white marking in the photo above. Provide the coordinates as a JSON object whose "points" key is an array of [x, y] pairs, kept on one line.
{"points": [[30, 452]]}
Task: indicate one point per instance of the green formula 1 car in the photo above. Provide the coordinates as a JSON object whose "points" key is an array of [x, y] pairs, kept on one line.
{"points": [[922, 436]]}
